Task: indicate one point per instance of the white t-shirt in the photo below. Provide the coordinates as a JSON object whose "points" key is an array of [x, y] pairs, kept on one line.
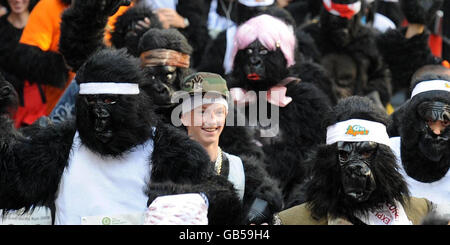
{"points": [[436, 192], [236, 174], [93, 186]]}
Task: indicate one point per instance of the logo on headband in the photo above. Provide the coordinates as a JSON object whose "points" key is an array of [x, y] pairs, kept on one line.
{"points": [[356, 130], [447, 85]]}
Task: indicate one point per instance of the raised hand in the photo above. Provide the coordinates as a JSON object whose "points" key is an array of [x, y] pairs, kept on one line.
{"points": [[170, 18]]}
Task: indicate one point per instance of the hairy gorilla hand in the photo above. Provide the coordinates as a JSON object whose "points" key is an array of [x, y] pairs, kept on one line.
{"points": [[105, 7]]}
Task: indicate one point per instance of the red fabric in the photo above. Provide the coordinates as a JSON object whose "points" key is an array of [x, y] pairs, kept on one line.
{"points": [[435, 43], [343, 9], [33, 108]]}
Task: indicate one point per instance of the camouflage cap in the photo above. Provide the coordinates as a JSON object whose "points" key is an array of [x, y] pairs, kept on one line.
{"points": [[204, 82]]}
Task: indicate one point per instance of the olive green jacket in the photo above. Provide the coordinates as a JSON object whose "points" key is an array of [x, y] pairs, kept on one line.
{"points": [[416, 210]]}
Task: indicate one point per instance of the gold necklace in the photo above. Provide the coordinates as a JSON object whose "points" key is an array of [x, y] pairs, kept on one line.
{"points": [[218, 164]]}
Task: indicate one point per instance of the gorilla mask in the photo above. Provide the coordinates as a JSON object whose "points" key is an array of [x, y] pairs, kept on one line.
{"points": [[340, 19], [112, 115], [355, 160], [161, 83], [435, 135], [264, 50], [101, 109], [165, 58], [128, 30], [356, 170], [260, 67]]}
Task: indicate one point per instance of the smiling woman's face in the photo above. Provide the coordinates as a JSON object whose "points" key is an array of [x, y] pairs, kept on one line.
{"points": [[205, 123]]}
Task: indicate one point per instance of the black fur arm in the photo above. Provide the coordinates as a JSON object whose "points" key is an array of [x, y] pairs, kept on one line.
{"points": [[373, 73], [178, 158], [212, 60], [258, 184], [35, 65], [224, 204], [31, 168], [395, 121], [404, 56], [311, 72], [82, 29], [310, 104], [238, 140], [380, 81], [197, 31]]}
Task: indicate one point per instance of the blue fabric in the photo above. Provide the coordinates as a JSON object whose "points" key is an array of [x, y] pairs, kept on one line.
{"points": [[65, 109]]}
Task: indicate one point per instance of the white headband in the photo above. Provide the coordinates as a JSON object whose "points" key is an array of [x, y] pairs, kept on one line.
{"points": [[109, 88], [193, 102], [256, 3], [431, 85], [357, 130]]}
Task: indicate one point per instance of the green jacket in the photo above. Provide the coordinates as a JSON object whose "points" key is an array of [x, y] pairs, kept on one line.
{"points": [[416, 210]]}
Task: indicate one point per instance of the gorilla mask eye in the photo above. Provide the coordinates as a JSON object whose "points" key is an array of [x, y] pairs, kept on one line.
{"points": [[169, 76], [249, 51], [263, 51], [109, 101], [367, 154], [90, 99], [153, 77], [343, 156]]}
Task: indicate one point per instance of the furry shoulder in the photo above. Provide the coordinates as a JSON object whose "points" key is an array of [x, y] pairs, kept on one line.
{"points": [[178, 158]]}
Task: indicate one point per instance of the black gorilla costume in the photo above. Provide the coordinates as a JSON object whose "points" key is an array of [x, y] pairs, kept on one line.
{"points": [[215, 51], [423, 151], [196, 12], [258, 69], [404, 56], [8, 97], [83, 27], [109, 125], [304, 11], [348, 51], [127, 32], [9, 39], [350, 179]]}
